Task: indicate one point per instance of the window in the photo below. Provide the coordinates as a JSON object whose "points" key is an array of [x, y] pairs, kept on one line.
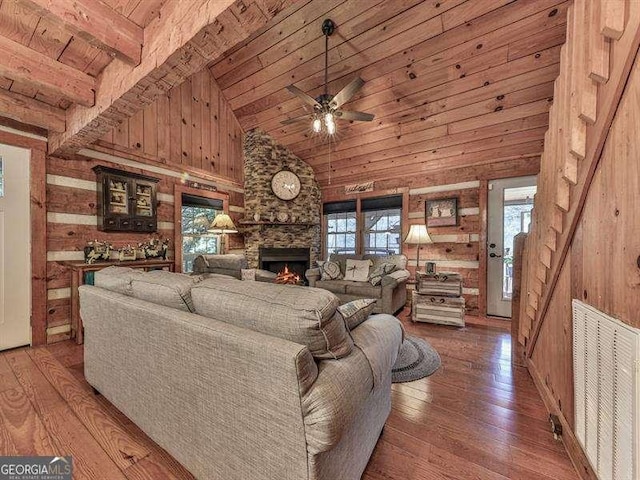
{"points": [[379, 226], [381, 232], [341, 232], [197, 215]]}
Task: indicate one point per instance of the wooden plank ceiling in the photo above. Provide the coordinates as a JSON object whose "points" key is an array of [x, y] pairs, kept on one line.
{"points": [[452, 83], [77, 68], [23, 23]]}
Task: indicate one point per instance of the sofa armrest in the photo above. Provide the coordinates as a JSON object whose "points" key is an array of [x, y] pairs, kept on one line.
{"points": [[395, 278], [313, 275]]}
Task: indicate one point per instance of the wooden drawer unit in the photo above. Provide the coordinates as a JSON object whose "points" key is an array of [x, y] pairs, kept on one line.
{"points": [[437, 309], [443, 284]]}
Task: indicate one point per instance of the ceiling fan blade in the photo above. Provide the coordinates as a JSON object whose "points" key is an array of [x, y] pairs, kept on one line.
{"points": [[289, 121], [303, 96], [357, 116], [344, 95]]}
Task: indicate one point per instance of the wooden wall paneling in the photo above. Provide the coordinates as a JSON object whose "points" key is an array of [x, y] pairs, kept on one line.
{"points": [[175, 126], [196, 118], [215, 127], [223, 126], [163, 123], [186, 129], [151, 129], [136, 131], [38, 213], [623, 56], [121, 133], [205, 121]]}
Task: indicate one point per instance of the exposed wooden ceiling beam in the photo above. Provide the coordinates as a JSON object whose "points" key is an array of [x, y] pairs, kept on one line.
{"points": [[30, 111], [97, 24], [21, 63], [179, 43]]}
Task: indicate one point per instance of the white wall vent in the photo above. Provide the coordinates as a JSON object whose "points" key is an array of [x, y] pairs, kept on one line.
{"points": [[606, 359]]}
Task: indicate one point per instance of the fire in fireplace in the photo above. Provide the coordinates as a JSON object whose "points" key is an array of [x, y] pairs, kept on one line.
{"points": [[287, 277], [276, 259]]}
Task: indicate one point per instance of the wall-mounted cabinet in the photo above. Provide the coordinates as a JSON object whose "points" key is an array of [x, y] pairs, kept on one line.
{"points": [[126, 201]]}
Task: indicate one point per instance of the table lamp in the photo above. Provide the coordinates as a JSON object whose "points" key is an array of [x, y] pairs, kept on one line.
{"points": [[418, 235], [222, 224]]}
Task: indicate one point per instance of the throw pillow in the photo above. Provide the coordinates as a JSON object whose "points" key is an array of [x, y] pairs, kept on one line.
{"points": [[376, 274], [248, 274], [357, 311], [330, 271], [357, 270]]}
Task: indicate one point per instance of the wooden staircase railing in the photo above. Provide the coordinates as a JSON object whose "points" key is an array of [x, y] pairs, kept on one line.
{"points": [[603, 37]]}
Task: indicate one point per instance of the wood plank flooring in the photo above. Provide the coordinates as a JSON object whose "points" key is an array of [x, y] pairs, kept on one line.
{"points": [[476, 418]]}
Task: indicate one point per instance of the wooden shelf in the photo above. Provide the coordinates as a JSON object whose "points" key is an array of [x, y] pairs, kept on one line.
{"points": [[266, 223]]}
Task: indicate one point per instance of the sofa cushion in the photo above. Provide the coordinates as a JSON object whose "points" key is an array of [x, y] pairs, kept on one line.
{"points": [[335, 286], [166, 288], [341, 259], [364, 289], [116, 279], [357, 270], [356, 311], [299, 314], [377, 272], [330, 270], [399, 260]]}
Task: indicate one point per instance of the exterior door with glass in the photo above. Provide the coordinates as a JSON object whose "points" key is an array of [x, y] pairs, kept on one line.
{"points": [[509, 213], [15, 246]]}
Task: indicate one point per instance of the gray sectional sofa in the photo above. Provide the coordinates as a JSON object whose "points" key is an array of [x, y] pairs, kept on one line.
{"points": [[390, 295], [241, 380], [228, 264]]}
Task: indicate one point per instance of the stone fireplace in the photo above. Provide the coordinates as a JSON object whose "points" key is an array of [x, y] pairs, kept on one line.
{"points": [[263, 158], [297, 259]]}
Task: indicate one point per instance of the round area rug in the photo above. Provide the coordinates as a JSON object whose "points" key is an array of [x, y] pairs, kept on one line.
{"points": [[417, 359]]}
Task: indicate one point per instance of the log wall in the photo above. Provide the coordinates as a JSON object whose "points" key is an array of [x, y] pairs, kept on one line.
{"points": [[188, 135], [461, 248]]}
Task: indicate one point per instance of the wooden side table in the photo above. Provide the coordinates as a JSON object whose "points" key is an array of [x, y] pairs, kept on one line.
{"points": [[438, 299], [83, 274]]}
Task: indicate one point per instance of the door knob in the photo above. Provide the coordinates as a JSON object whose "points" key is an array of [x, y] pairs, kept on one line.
{"points": [[493, 255]]}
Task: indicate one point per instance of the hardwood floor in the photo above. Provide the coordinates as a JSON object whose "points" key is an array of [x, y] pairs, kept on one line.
{"points": [[476, 418]]}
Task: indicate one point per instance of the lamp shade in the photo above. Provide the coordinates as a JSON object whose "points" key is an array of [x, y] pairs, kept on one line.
{"points": [[222, 224], [418, 235]]}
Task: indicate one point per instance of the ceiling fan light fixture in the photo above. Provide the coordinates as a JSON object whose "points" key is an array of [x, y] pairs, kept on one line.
{"points": [[317, 125], [331, 127]]}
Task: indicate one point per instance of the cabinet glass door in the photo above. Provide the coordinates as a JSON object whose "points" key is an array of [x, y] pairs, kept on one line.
{"points": [[144, 204], [118, 196]]}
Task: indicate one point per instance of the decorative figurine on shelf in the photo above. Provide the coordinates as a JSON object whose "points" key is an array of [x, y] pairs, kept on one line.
{"points": [[272, 217], [127, 253], [256, 217], [96, 250], [156, 248]]}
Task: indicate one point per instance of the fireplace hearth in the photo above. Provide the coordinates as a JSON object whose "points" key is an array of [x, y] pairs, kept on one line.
{"points": [[276, 259]]}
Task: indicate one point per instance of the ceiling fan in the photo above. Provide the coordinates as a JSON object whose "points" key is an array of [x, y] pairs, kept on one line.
{"points": [[326, 107]]}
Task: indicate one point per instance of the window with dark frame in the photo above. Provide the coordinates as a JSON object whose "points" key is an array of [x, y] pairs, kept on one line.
{"points": [[379, 226], [197, 215]]}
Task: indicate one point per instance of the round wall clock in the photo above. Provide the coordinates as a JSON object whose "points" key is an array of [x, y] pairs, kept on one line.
{"points": [[285, 185]]}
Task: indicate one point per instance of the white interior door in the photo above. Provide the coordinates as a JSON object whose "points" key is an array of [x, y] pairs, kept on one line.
{"points": [[509, 213], [15, 246]]}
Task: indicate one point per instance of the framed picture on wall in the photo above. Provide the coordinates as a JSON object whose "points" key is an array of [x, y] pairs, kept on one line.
{"points": [[441, 212]]}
